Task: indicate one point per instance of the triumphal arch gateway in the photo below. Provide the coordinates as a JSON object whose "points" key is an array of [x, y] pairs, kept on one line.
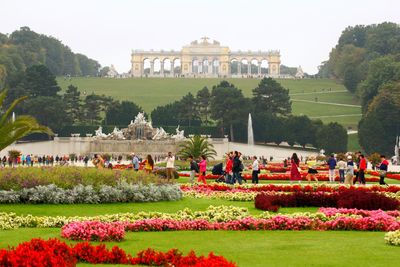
{"points": [[205, 59]]}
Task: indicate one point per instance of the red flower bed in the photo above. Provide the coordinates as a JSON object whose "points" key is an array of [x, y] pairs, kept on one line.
{"points": [[390, 175], [285, 188], [350, 198], [53, 252], [280, 176]]}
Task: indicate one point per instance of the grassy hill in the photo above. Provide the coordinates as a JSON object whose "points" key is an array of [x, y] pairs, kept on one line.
{"points": [[322, 98]]}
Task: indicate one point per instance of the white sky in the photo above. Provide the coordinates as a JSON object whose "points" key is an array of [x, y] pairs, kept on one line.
{"points": [[107, 30]]}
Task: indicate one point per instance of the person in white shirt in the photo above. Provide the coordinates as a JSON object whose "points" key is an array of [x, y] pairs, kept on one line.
{"points": [[256, 169], [170, 159], [342, 167]]}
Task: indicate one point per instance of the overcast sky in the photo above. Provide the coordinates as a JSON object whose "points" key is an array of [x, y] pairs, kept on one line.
{"points": [[107, 30]]}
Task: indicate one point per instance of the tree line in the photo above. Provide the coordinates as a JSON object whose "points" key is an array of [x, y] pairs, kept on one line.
{"points": [[25, 48], [226, 107], [367, 61], [52, 108]]}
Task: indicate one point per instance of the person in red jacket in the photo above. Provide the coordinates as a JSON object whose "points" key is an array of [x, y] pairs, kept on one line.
{"points": [[361, 170], [203, 169], [228, 169]]}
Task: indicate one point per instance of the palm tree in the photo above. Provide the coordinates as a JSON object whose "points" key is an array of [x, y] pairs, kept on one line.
{"points": [[197, 146], [13, 130]]}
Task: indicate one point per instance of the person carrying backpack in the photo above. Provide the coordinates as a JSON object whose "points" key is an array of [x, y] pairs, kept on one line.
{"points": [[194, 168]]}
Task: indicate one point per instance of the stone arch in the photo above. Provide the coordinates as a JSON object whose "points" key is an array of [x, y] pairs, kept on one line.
{"points": [[156, 66], [146, 66], [195, 66], [167, 64], [234, 66], [264, 67], [215, 66], [254, 66], [204, 66], [244, 62], [177, 65]]}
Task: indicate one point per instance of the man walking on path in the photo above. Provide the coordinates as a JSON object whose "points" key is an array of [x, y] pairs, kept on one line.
{"points": [[332, 166]]}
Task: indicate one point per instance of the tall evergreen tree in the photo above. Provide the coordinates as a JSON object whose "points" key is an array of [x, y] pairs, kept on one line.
{"points": [[270, 97], [228, 106], [203, 101], [72, 103]]}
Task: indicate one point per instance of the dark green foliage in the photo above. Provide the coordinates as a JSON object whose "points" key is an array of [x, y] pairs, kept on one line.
{"points": [[182, 112], [203, 101], [228, 106], [379, 127], [93, 106], [72, 103], [48, 110], [121, 113], [381, 71], [269, 96], [25, 48], [300, 130], [39, 81], [269, 128], [356, 48], [332, 138]]}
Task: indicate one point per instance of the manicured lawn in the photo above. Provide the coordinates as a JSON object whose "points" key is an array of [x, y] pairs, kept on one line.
{"points": [[254, 248], [352, 143], [98, 209]]}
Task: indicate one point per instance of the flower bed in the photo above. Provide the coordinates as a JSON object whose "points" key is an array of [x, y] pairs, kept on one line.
{"points": [[393, 238], [54, 252], [390, 175], [68, 177], [350, 198], [283, 188], [93, 231], [373, 221], [226, 218], [279, 176], [213, 214], [122, 192]]}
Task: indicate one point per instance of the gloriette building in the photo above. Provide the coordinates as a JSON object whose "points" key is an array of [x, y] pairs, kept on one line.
{"points": [[205, 59]]}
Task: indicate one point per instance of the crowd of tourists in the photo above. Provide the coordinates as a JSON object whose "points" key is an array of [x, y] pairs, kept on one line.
{"points": [[31, 160], [350, 168]]}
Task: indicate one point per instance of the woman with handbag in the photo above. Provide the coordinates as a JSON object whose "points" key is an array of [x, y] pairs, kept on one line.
{"points": [[295, 169], [255, 170]]}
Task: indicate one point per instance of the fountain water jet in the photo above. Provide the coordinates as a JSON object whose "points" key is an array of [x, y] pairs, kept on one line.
{"points": [[250, 136]]}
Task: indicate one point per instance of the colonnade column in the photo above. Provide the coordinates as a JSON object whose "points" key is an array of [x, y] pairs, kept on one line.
{"points": [[210, 67], [151, 68], [239, 68], [161, 68], [172, 69], [248, 67], [259, 68]]}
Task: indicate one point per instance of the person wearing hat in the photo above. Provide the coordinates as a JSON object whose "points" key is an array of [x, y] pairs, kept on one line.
{"points": [[349, 171], [135, 162]]}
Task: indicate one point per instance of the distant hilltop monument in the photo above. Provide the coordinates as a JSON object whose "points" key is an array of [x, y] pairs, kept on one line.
{"points": [[204, 58]]}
